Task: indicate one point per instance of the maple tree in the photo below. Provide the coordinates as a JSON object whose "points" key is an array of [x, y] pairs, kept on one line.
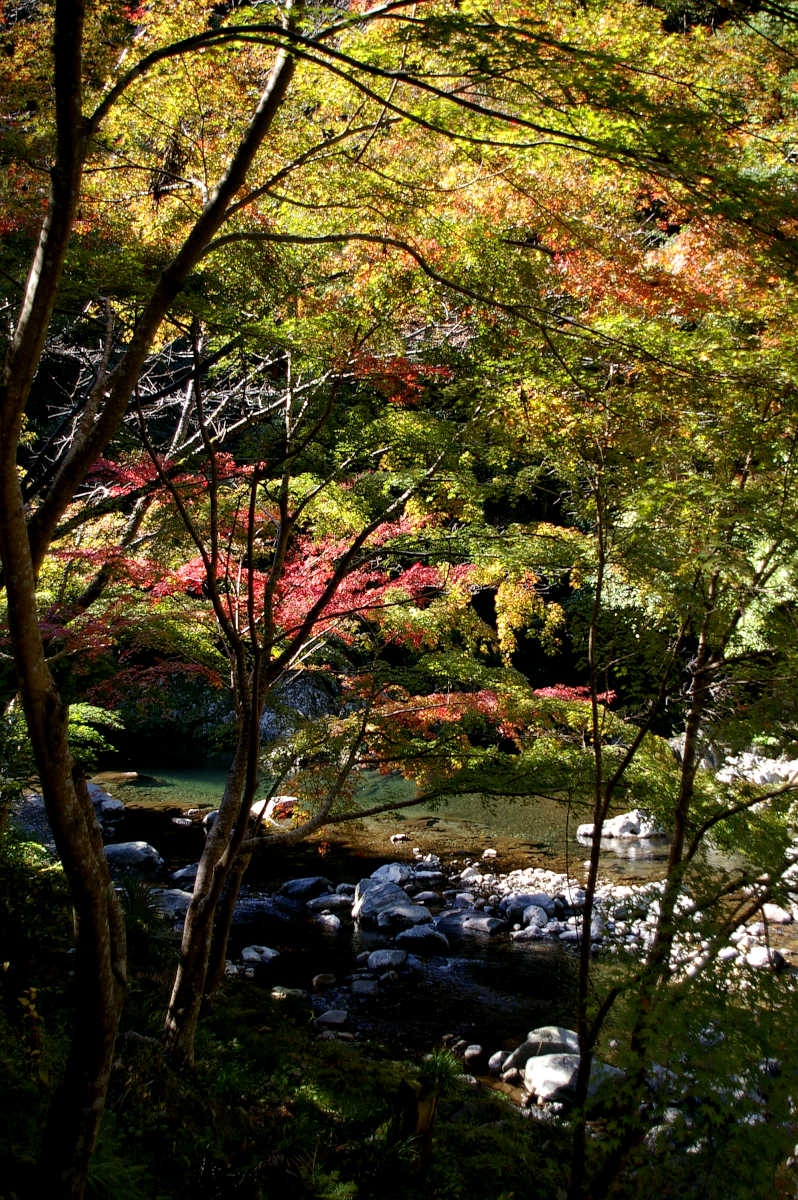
{"points": [[589, 214]]}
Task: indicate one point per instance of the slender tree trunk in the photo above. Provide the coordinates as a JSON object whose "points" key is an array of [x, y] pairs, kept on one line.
{"points": [[100, 963], [224, 922]]}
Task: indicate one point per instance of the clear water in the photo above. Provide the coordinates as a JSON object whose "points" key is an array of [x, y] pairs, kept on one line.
{"points": [[527, 830]]}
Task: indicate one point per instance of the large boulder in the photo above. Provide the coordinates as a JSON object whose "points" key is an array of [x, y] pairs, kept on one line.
{"points": [[553, 1076], [140, 858], [403, 915], [513, 907], [634, 824], [548, 1039], [469, 923], [172, 902], [372, 896], [305, 889], [423, 939], [393, 872]]}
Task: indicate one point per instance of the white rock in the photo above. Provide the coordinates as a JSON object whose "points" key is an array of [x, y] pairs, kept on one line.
{"points": [[259, 954]]}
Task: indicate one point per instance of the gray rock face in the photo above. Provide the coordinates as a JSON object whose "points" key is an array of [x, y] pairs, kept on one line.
{"points": [[372, 896], [138, 857], [305, 889], [423, 939], [300, 693]]}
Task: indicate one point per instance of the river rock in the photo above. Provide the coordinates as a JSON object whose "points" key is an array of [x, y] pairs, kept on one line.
{"points": [[402, 916], [259, 954], [331, 902], [139, 857], [372, 896], [423, 939], [469, 924], [535, 916], [776, 915], [260, 913], [634, 824], [763, 956], [172, 902], [106, 806], [553, 1076], [399, 837], [496, 1062], [386, 960], [185, 875], [394, 872], [513, 907], [333, 1018], [305, 889], [364, 987]]}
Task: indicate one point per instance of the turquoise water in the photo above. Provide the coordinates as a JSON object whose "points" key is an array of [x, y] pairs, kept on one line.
{"points": [[524, 829]]}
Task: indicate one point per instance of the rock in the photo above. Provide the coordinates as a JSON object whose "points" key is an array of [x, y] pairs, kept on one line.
{"points": [[473, 1055], [306, 888], [172, 902], [138, 857], [259, 954], [423, 939], [331, 902], [106, 805], [776, 915], [399, 837], [372, 896], [364, 987], [634, 824], [762, 956], [469, 924], [402, 916], [534, 915], [209, 820], [489, 853], [553, 1039], [328, 921], [185, 874], [346, 889], [428, 898], [553, 1076], [303, 693], [260, 913], [291, 997], [427, 878], [394, 872], [513, 907], [496, 1062], [333, 1018], [386, 960], [273, 809], [322, 981], [470, 873]]}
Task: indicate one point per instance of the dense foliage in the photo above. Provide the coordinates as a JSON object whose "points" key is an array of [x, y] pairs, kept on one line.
{"points": [[446, 353]]}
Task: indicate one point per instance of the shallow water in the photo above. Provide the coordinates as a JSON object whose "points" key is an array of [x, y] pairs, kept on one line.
{"points": [[525, 831]]}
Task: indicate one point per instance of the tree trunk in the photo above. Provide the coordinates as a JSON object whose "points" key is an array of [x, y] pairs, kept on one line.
{"points": [[100, 963], [190, 984]]}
